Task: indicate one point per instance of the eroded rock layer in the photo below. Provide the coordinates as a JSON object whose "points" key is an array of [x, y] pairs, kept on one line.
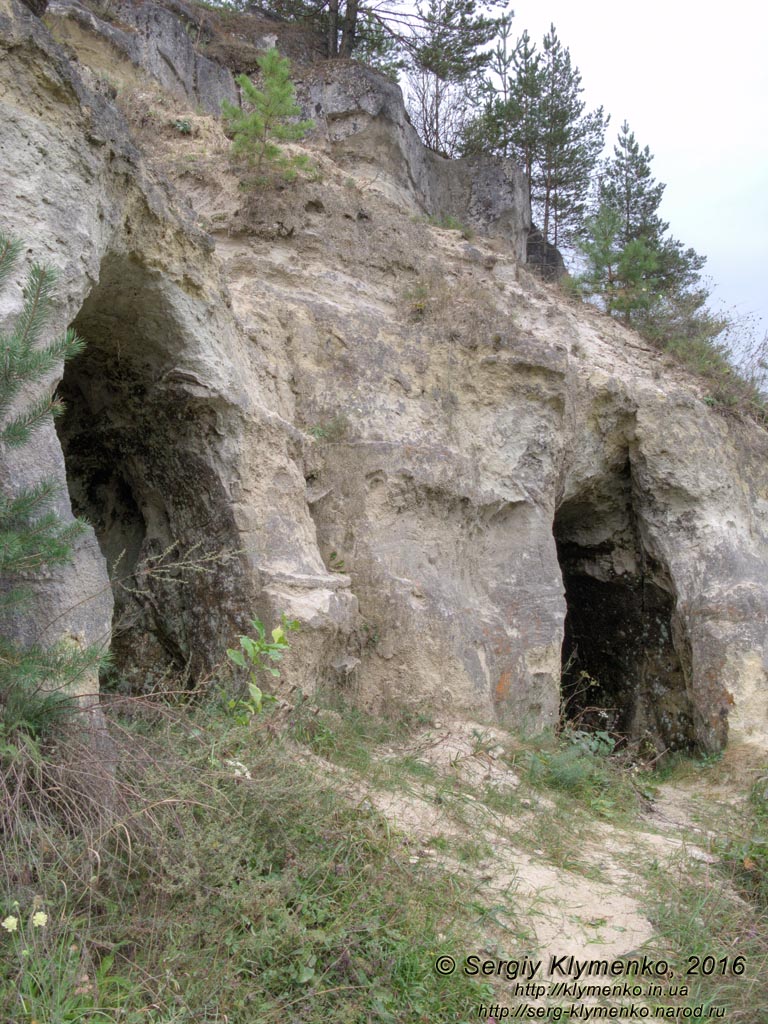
{"points": [[312, 400]]}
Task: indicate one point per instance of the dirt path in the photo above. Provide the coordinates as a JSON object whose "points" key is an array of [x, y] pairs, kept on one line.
{"points": [[552, 886]]}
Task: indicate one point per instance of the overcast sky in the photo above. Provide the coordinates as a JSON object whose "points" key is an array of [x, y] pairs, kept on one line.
{"points": [[692, 81]]}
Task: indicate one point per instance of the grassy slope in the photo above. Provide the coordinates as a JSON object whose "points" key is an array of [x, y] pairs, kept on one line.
{"points": [[250, 876]]}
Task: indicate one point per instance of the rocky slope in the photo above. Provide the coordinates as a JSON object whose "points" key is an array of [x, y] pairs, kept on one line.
{"points": [[311, 400]]}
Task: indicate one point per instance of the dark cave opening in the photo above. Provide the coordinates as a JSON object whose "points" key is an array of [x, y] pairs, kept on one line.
{"points": [[138, 470], [625, 658]]}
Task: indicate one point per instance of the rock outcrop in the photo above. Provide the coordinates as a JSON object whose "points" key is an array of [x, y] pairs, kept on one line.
{"points": [[158, 41], [362, 116], [545, 257], [310, 400]]}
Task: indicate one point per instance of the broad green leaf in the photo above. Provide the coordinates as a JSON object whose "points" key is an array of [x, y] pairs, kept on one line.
{"points": [[259, 628], [256, 696], [237, 657]]}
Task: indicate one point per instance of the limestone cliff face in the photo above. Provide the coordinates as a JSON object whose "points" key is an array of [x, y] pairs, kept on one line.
{"points": [[458, 482]]}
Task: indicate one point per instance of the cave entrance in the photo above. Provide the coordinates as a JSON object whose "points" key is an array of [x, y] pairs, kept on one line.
{"points": [[626, 666], [136, 438]]}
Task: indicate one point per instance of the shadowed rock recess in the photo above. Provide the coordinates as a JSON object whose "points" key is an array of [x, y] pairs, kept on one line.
{"points": [[626, 661], [316, 400]]}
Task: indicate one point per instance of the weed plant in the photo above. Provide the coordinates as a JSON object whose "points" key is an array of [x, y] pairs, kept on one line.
{"points": [[332, 431], [582, 766], [736, 380]]}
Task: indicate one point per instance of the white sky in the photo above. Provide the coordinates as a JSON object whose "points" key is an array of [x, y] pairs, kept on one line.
{"points": [[692, 81]]}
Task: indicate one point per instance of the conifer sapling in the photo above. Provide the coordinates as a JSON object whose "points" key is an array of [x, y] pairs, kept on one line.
{"points": [[33, 679], [271, 119]]}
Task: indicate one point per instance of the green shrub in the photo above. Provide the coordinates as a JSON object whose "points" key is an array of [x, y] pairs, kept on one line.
{"points": [[333, 431], [451, 223], [258, 654], [419, 298]]}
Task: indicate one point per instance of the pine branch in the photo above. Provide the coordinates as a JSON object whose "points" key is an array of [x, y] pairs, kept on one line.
{"points": [[45, 542], [19, 430], [37, 297], [33, 536], [9, 254], [29, 502], [19, 366]]}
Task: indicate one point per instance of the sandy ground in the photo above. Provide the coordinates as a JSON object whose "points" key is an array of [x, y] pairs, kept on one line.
{"points": [[549, 891]]}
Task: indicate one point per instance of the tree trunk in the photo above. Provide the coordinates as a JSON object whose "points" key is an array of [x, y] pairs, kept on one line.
{"points": [[349, 32], [333, 28]]}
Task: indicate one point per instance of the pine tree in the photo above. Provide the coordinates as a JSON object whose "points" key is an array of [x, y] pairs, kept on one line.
{"points": [[375, 47], [449, 38], [273, 118], [623, 275], [652, 280], [378, 32], [33, 680], [571, 143], [523, 108], [533, 113], [500, 64], [510, 122], [627, 186]]}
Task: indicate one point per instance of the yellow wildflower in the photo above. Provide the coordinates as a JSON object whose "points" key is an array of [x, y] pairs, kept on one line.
{"points": [[11, 923], [39, 920]]}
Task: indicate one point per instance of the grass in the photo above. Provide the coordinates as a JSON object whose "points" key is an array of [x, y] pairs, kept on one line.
{"points": [[419, 298], [450, 223], [745, 851], [238, 879], [235, 886], [727, 353], [583, 769], [698, 915], [345, 735], [567, 782], [733, 385], [332, 431], [710, 915]]}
